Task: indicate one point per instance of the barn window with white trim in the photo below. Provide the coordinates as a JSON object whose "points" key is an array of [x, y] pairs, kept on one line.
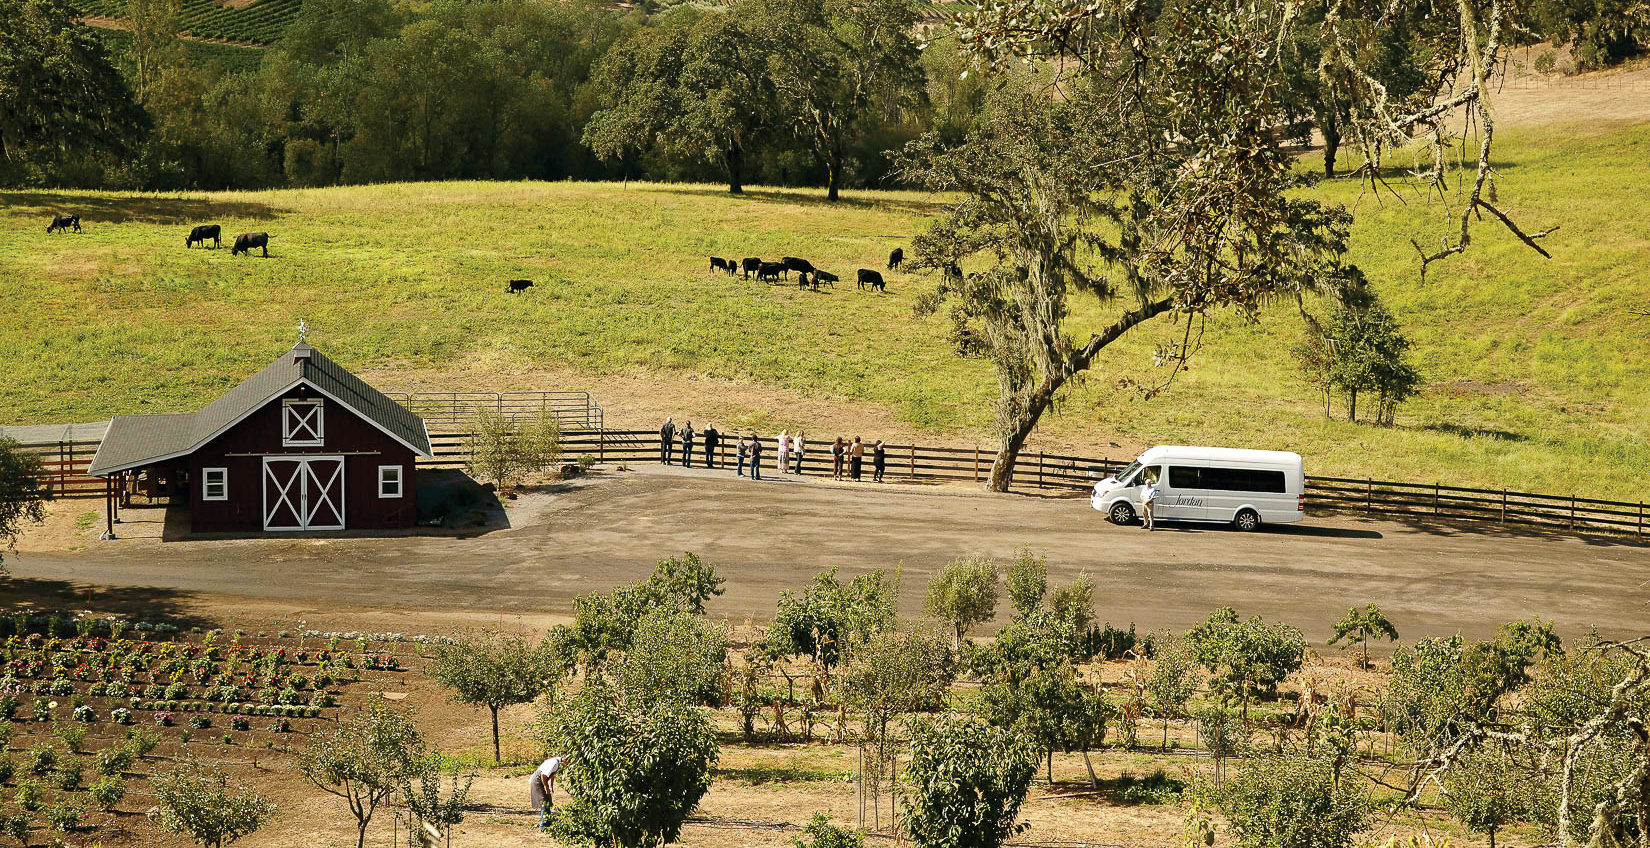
{"points": [[214, 484], [389, 481], [302, 424]]}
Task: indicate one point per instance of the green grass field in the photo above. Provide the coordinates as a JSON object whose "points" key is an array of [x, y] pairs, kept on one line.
{"points": [[1540, 376]]}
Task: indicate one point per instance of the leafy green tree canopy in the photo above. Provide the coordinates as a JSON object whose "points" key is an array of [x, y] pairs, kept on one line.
{"points": [[967, 782], [963, 594]]}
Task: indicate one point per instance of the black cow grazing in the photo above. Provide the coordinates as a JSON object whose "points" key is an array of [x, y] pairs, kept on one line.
{"points": [[731, 265], [717, 263], [799, 265], [246, 242], [519, 286], [870, 278], [751, 265], [63, 223], [203, 232], [825, 277], [770, 271], [896, 259]]}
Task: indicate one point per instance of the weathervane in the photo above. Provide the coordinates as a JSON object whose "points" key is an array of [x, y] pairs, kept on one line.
{"points": [[303, 331]]}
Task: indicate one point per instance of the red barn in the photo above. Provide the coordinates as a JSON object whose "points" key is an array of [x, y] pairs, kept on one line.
{"points": [[301, 445]]}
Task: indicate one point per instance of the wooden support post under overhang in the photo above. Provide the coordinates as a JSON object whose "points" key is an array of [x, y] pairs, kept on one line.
{"points": [[108, 507]]}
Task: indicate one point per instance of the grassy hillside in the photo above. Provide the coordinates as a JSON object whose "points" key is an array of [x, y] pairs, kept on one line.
{"points": [[1538, 372]]}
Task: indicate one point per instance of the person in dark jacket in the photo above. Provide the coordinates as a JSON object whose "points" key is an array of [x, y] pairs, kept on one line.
{"points": [[687, 445], [879, 460], [667, 438], [713, 440], [756, 457]]}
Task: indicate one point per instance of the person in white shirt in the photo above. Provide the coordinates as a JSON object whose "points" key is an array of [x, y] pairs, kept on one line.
{"points": [[784, 451], [541, 785], [1148, 500]]}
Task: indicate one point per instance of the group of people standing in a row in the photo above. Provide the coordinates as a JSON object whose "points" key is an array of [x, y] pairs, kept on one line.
{"points": [[847, 458]]}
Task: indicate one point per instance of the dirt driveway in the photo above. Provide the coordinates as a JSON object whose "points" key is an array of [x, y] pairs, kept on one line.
{"points": [[770, 536]]}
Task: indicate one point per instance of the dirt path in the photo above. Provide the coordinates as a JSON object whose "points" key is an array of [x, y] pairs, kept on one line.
{"points": [[770, 536]]}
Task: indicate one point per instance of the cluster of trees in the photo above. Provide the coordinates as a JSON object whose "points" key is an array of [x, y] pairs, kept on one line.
{"points": [[1358, 349], [818, 92], [814, 92]]}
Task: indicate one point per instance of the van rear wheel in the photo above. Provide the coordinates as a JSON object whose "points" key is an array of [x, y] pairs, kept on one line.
{"points": [[1246, 520], [1122, 513]]}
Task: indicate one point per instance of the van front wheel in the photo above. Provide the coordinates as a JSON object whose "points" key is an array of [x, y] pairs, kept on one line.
{"points": [[1246, 520], [1122, 513]]}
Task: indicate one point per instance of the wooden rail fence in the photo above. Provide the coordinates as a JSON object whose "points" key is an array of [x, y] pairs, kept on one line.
{"points": [[66, 463]]}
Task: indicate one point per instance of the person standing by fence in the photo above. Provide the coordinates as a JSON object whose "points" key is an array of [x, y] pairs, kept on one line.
{"points": [[856, 459], [667, 437], [879, 460], [756, 457], [782, 452], [796, 450], [713, 440], [687, 445], [837, 451], [743, 450]]}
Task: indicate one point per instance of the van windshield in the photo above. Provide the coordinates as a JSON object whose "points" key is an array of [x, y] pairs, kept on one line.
{"points": [[1124, 475]]}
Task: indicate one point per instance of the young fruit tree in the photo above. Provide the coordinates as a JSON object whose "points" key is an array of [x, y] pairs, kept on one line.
{"points": [[1361, 625], [1291, 801], [366, 760], [635, 770], [1246, 656], [504, 449], [962, 595], [1155, 175], [194, 799], [1026, 576], [967, 782], [494, 671], [1172, 682]]}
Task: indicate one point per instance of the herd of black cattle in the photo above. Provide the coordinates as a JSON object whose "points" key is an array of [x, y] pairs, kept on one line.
{"points": [[244, 243], [807, 275]]}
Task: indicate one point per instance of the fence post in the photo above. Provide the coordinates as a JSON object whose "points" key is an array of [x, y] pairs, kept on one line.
{"points": [[1572, 512], [1639, 534], [1039, 468], [62, 471], [1435, 497], [1503, 506], [601, 445], [1369, 494], [976, 464]]}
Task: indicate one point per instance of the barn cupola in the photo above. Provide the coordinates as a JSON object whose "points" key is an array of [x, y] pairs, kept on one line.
{"points": [[301, 353]]}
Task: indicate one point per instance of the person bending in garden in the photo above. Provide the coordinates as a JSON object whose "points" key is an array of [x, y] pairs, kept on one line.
{"points": [[541, 785]]}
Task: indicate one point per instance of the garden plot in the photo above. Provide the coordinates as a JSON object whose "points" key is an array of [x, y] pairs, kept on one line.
{"points": [[84, 717]]}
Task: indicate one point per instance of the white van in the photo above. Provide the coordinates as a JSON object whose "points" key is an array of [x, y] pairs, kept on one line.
{"points": [[1247, 488]]}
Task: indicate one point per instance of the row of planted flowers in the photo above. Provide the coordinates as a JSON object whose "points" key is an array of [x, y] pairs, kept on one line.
{"points": [[59, 663], [44, 710]]}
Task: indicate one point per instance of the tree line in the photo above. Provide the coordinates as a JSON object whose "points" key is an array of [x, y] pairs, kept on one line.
{"points": [[814, 92]]}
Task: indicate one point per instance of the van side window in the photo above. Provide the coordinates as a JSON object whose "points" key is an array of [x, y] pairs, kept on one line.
{"points": [[1227, 479]]}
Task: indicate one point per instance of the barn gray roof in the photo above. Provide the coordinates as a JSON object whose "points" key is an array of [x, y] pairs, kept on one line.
{"points": [[138, 440]]}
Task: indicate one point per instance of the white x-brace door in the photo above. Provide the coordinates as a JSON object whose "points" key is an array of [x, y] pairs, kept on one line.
{"points": [[303, 492]]}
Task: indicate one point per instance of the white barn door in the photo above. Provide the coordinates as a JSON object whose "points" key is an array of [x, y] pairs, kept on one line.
{"points": [[303, 493]]}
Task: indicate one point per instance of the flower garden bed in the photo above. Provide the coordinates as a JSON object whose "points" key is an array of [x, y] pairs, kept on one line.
{"points": [[84, 703]]}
